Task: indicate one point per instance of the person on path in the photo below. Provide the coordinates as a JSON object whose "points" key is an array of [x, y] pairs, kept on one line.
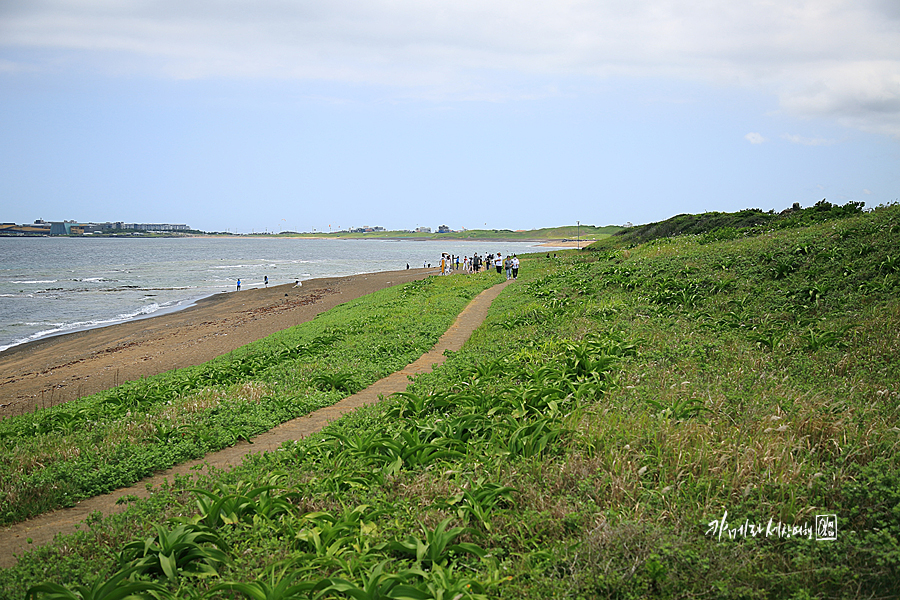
{"points": [[515, 266], [239, 285], [498, 262], [508, 265]]}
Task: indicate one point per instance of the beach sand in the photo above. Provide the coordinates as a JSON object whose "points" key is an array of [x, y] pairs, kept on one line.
{"points": [[57, 369]]}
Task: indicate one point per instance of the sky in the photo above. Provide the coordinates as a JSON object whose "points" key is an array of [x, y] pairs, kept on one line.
{"points": [[270, 115]]}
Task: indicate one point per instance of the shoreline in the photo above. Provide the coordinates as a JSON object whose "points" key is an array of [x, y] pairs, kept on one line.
{"points": [[58, 368], [182, 305]]}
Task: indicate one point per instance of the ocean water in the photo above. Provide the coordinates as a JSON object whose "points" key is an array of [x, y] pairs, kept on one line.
{"points": [[54, 285]]}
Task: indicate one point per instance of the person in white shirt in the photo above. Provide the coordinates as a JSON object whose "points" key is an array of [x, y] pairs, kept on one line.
{"points": [[515, 266]]}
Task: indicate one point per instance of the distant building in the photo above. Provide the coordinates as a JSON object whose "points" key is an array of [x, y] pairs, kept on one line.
{"points": [[14, 229], [62, 227], [443, 229], [423, 229], [155, 227], [70, 227]]}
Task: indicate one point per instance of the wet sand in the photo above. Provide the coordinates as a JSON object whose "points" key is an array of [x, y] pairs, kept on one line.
{"points": [[57, 369]]}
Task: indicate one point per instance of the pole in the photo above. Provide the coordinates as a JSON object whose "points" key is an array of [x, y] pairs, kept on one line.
{"points": [[578, 235]]}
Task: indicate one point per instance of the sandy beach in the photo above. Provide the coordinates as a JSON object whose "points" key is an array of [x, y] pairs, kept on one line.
{"points": [[57, 369]]}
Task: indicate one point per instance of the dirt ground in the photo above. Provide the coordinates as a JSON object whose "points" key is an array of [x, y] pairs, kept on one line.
{"points": [[20, 537], [61, 368]]}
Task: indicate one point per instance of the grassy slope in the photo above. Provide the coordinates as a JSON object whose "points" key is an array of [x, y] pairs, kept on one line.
{"points": [[629, 397], [718, 226]]}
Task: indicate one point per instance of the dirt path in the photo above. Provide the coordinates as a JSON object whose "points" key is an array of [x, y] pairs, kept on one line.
{"points": [[42, 529]]}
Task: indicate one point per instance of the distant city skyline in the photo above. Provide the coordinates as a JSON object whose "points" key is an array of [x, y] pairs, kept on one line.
{"points": [[271, 116], [95, 226]]}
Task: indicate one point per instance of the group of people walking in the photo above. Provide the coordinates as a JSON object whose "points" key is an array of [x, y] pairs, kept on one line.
{"points": [[477, 263]]}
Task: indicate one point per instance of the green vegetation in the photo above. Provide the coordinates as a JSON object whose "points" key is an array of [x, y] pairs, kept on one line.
{"points": [[613, 429], [718, 226], [57, 456]]}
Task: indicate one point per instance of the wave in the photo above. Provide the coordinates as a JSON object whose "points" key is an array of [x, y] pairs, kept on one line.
{"points": [[61, 328], [29, 282]]}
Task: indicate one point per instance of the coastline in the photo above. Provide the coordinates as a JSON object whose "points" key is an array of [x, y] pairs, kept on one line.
{"points": [[53, 370]]}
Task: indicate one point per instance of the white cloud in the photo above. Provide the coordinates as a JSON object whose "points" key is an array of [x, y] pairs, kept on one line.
{"points": [[805, 141], [836, 59], [754, 138]]}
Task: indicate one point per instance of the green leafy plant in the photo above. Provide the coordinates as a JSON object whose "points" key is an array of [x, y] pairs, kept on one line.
{"points": [[231, 505], [679, 410], [814, 340], [375, 585], [185, 550], [327, 536], [770, 339], [340, 382], [437, 546], [277, 586], [116, 587], [476, 504]]}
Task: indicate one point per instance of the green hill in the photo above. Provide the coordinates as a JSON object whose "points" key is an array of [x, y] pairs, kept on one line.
{"points": [[717, 226]]}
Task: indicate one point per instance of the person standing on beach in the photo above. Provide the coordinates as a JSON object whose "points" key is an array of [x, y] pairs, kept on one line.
{"points": [[267, 281], [239, 285]]}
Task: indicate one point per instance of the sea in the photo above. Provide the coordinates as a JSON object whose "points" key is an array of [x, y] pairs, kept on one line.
{"points": [[55, 285]]}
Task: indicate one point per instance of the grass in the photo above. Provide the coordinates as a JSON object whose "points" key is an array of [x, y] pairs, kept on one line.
{"points": [[617, 411], [58, 456]]}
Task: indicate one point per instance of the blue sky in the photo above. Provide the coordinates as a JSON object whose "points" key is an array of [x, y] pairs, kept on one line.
{"points": [[287, 114]]}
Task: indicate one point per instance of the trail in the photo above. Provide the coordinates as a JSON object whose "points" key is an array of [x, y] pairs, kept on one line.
{"points": [[43, 528]]}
